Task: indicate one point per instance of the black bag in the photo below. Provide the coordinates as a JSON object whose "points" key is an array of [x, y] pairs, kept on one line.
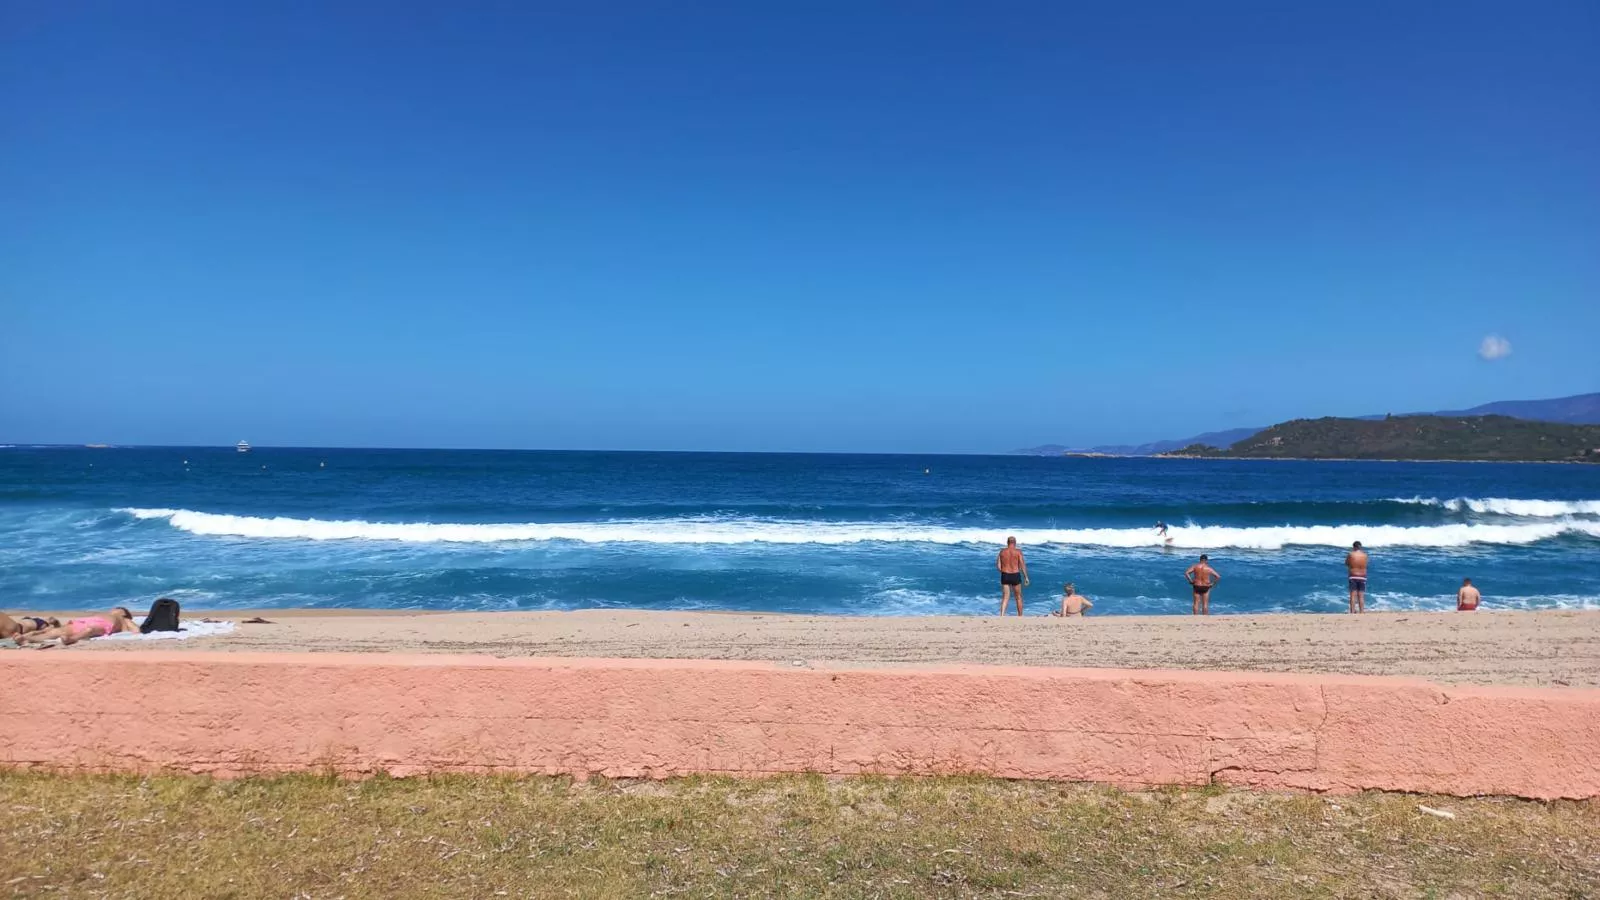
{"points": [[163, 616]]}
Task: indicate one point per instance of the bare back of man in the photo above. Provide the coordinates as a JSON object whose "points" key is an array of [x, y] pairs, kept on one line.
{"points": [[1202, 578], [1355, 563], [1013, 574], [1073, 603], [1468, 598]]}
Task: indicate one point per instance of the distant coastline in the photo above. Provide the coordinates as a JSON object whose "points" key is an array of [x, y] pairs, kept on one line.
{"points": [[1213, 457], [1413, 439], [1579, 409]]}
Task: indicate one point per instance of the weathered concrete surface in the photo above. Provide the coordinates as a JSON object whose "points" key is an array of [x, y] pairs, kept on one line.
{"points": [[237, 713]]}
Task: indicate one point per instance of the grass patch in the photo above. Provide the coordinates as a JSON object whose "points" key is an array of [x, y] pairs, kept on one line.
{"points": [[476, 836]]}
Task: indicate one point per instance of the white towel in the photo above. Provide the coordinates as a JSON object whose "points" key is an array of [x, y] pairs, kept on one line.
{"points": [[190, 629]]}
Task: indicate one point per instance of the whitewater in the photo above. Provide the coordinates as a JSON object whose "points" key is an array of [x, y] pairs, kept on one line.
{"points": [[1507, 506], [715, 531]]}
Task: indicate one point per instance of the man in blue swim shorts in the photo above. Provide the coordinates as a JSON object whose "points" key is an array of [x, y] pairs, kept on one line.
{"points": [[1355, 563]]}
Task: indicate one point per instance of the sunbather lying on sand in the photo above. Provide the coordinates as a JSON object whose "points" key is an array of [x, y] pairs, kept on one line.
{"points": [[11, 627], [75, 630]]}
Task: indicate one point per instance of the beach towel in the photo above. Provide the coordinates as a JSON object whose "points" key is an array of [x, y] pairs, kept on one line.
{"points": [[163, 616], [190, 629]]}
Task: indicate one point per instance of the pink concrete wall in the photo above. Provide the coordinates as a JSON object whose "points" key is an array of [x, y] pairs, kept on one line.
{"points": [[234, 713]]}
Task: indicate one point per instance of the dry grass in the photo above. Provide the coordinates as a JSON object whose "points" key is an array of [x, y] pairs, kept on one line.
{"points": [[81, 836]]}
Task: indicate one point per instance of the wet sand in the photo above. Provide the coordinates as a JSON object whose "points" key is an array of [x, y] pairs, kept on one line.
{"points": [[1487, 647]]}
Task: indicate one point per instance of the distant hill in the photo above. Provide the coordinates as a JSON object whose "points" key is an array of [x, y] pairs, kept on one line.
{"points": [[1417, 438], [1211, 438], [1581, 409], [1044, 450]]}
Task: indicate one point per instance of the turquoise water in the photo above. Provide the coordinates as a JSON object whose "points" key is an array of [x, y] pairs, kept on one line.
{"points": [[904, 535]]}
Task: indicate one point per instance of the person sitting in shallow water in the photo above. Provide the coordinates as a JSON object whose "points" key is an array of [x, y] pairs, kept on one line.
{"points": [[11, 628], [1073, 603], [117, 621]]}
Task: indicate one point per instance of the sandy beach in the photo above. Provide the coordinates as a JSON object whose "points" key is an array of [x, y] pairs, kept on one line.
{"points": [[1555, 648]]}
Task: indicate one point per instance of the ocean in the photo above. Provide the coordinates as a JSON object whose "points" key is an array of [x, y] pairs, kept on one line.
{"points": [[795, 533]]}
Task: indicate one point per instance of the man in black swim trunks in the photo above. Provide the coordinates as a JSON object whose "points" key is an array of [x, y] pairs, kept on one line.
{"points": [[1013, 574], [1202, 578]]}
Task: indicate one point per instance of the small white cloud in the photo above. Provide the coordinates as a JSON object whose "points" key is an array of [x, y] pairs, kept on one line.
{"points": [[1494, 347]]}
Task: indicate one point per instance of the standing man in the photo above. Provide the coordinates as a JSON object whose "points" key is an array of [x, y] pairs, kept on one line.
{"points": [[1013, 574], [1355, 562], [1468, 598], [1202, 578]]}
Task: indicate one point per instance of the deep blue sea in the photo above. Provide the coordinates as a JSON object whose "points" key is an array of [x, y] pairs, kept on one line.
{"points": [[860, 535]]}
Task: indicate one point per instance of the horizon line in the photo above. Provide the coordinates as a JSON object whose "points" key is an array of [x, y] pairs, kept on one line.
{"points": [[254, 447]]}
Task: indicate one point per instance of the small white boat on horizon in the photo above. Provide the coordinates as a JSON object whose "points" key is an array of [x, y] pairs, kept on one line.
{"points": [[243, 447]]}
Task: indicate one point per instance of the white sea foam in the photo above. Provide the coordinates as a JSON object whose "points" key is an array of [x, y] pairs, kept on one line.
{"points": [[1507, 506], [913, 602], [1387, 602], [767, 531]]}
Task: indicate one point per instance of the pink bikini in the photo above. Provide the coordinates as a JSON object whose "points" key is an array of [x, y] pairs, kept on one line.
{"points": [[105, 624]]}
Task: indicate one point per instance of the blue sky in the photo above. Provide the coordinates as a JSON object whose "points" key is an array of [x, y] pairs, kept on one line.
{"points": [[803, 226]]}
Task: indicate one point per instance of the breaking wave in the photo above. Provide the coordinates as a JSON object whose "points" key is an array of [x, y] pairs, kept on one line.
{"points": [[705, 530], [1506, 506]]}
